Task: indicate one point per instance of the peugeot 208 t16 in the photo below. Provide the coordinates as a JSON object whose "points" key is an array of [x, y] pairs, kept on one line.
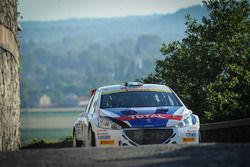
{"points": [[135, 114]]}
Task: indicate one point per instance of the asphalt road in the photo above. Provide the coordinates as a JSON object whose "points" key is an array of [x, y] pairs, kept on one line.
{"points": [[161, 155]]}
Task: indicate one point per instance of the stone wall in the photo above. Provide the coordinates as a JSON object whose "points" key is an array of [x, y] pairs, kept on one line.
{"points": [[8, 14], [9, 77]]}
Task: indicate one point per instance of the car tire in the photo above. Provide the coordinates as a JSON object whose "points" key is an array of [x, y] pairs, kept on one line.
{"points": [[91, 138], [76, 143]]}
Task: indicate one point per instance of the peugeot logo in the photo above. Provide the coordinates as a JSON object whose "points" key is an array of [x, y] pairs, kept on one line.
{"points": [[148, 120]]}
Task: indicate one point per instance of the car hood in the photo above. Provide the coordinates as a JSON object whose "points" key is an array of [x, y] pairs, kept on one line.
{"points": [[146, 116]]}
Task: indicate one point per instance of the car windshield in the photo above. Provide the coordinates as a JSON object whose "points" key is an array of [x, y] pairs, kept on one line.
{"points": [[139, 99]]}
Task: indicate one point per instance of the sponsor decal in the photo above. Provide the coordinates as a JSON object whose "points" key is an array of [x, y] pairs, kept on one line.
{"points": [[103, 137], [188, 139], [192, 131], [102, 130], [150, 116], [192, 127], [107, 142], [191, 134], [102, 134]]}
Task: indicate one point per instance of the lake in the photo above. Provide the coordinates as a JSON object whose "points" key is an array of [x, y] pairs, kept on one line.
{"points": [[53, 125]]}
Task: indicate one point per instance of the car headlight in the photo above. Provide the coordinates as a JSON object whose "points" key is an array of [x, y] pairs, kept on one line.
{"points": [[107, 123], [185, 122]]}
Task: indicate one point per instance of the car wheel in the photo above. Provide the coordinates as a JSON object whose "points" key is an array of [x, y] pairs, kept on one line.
{"points": [[76, 143], [91, 138]]}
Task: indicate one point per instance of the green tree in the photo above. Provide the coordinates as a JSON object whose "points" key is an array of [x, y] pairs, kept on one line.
{"points": [[210, 67]]}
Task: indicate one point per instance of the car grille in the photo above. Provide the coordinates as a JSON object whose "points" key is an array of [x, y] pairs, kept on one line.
{"points": [[149, 136]]}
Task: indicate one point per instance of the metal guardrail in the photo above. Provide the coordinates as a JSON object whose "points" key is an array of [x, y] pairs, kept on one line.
{"points": [[227, 131], [225, 124]]}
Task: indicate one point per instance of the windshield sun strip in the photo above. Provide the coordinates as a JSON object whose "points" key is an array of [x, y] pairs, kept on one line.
{"points": [[136, 90]]}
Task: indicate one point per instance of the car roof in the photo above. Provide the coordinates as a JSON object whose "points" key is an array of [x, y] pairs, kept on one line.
{"points": [[142, 87]]}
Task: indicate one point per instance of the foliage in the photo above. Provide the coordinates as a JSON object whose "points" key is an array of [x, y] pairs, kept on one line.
{"points": [[47, 143], [210, 67], [41, 141], [36, 141]]}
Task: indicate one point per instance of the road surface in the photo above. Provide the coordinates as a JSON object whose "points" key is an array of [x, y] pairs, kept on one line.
{"points": [[167, 155]]}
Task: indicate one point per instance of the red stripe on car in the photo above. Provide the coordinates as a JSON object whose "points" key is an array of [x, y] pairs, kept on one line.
{"points": [[146, 116]]}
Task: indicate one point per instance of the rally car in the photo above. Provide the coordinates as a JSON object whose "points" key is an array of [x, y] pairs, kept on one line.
{"points": [[135, 114]]}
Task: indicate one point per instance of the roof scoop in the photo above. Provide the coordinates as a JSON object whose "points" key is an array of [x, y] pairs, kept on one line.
{"points": [[131, 84]]}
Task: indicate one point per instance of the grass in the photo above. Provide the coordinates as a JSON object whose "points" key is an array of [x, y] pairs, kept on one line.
{"points": [[45, 143]]}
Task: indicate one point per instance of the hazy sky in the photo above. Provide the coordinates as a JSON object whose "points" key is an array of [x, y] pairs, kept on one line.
{"points": [[64, 9]]}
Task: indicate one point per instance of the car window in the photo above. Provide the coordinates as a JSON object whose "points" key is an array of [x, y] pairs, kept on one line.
{"points": [[93, 104], [89, 104], [139, 99], [170, 100]]}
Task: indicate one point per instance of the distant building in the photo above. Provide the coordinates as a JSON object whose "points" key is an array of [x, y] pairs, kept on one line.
{"points": [[45, 101]]}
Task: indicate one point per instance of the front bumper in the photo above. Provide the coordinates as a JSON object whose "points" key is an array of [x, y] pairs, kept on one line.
{"points": [[146, 136]]}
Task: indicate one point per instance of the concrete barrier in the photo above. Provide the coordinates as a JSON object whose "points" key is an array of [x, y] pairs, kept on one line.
{"points": [[227, 131]]}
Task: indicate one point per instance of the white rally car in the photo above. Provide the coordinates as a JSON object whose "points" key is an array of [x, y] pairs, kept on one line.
{"points": [[135, 114]]}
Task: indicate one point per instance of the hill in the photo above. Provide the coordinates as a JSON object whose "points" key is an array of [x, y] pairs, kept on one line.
{"points": [[64, 59]]}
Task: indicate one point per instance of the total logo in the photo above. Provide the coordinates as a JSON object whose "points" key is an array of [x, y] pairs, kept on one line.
{"points": [[150, 116]]}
